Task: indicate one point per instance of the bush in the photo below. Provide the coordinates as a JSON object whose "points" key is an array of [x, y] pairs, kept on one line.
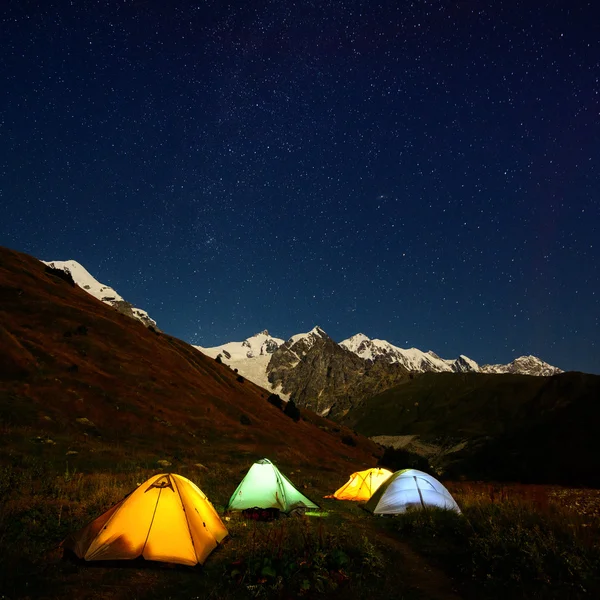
{"points": [[240, 379], [348, 440], [276, 401], [395, 459], [292, 411], [218, 359], [61, 274]]}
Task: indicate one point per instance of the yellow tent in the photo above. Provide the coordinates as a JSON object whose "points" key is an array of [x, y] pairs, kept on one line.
{"points": [[167, 518], [362, 485]]}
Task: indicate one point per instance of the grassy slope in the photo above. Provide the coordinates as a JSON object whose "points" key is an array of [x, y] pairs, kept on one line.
{"points": [[65, 356], [520, 427]]}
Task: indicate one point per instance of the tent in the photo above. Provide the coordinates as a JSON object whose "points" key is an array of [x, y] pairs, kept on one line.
{"points": [[362, 485], [410, 489], [264, 486], [167, 518]]}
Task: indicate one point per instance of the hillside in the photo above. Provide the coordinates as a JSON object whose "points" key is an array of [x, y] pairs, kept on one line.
{"points": [[519, 427], [81, 382]]}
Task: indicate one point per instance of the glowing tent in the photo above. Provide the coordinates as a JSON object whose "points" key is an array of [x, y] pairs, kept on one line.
{"points": [[410, 489], [362, 485], [264, 486], [167, 519]]}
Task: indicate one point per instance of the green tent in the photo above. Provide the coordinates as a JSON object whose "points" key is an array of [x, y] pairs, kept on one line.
{"points": [[264, 486]]}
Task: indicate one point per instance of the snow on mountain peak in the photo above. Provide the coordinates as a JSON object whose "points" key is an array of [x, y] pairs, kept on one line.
{"points": [[104, 293], [250, 357], [354, 342], [411, 358], [526, 365], [310, 335], [260, 344], [83, 279]]}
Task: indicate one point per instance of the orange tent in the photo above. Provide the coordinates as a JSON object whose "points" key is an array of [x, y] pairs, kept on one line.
{"points": [[362, 485], [167, 518]]}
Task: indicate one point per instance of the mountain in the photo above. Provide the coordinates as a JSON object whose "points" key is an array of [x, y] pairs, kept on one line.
{"points": [[486, 426], [103, 292], [421, 362], [250, 357], [524, 365], [81, 382], [330, 378], [324, 376], [412, 358]]}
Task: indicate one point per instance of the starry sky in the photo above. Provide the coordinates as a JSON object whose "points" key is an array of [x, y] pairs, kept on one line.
{"points": [[425, 172]]}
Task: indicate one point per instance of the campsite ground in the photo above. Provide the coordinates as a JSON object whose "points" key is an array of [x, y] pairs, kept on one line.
{"points": [[547, 546]]}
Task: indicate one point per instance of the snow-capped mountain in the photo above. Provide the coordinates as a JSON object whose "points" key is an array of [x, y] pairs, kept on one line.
{"points": [[250, 357], [412, 358], [301, 343], [416, 360], [324, 376], [331, 378], [103, 292], [524, 365], [311, 365]]}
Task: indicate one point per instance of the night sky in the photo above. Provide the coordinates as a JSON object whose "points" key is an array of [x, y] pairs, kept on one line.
{"points": [[424, 172]]}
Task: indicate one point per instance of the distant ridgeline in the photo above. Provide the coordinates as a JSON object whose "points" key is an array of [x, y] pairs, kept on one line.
{"points": [[489, 426]]}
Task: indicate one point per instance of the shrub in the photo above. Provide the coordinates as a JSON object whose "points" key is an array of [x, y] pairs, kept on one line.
{"points": [[395, 459], [276, 401], [348, 440], [218, 359], [61, 274], [292, 411], [240, 379]]}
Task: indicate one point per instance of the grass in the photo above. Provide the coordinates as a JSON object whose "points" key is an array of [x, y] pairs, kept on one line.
{"points": [[509, 543], [519, 542], [301, 556]]}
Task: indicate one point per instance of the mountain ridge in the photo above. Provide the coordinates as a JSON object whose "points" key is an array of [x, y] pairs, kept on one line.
{"points": [[270, 362], [82, 277]]}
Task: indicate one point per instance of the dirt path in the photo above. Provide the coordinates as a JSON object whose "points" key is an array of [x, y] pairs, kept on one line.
{"points": [[423, 577], [428, 581]]}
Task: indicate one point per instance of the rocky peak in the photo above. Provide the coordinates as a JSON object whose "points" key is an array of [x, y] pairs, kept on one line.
{"points": [[463, 364], [325, 376], [524, 365]]}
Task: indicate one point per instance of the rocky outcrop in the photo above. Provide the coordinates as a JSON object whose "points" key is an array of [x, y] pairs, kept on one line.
{"points": [[463, 364], [319, 374]]}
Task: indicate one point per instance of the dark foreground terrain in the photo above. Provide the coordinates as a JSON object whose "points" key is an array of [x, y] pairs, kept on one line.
{"points": [[92, 403]]}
